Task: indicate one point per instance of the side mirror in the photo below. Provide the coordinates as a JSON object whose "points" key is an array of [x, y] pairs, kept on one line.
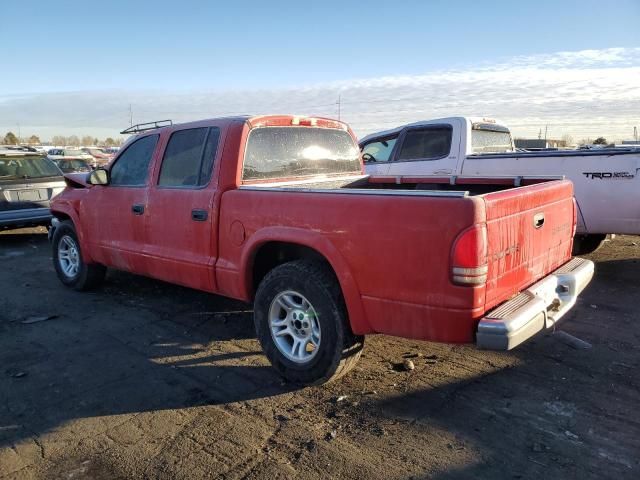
{"points": [[99, 176]]}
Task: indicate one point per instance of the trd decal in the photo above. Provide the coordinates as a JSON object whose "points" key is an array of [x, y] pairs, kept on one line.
{"points": [[608, 175]]}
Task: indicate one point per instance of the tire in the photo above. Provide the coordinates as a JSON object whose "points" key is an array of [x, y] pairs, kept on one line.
{"points": [[283, 293], [586, 244], [84, 276]]}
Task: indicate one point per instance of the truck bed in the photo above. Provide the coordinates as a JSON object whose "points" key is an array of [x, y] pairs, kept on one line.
{"points": [[410, 291], [428, 186], [605, 182]]}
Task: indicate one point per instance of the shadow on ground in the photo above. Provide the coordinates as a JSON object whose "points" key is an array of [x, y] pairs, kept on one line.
{"points": [[135, 345], [139, 345]]}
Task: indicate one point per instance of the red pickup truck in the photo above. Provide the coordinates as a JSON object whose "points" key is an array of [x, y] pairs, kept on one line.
{"points": [[275, 210]]}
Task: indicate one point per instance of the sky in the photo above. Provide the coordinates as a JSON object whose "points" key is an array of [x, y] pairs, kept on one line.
{"points": [[572, 67]]}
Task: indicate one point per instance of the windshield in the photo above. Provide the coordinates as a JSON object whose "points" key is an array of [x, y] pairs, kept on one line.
{"points": [[489, 141], [74, 164], [285, 152], [73, 153], [27, 167]]}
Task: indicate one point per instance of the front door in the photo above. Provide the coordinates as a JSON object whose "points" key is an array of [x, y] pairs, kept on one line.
{"points": [[181, 223], [114, 215], [376, 155]]}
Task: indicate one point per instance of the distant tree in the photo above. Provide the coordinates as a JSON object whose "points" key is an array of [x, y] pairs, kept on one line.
{"points": [[109, 142], [74, 141], [567, 139], [87, 141], [59, 140], [10, 139], [96, 141], [34, 140], [600, 141]]}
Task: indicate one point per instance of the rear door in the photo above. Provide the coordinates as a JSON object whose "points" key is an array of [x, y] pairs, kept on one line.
{"points": [[424, 150], [113, 215], [181, 224], [529, 234]]}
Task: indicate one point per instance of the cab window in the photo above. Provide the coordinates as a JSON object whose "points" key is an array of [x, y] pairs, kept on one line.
{"points": [[188, 158], [426, 144], [378, 151], [131, 169]]}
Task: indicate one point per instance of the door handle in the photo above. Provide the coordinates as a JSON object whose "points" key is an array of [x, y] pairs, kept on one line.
{"points": [[137, 209], [199, 215]]}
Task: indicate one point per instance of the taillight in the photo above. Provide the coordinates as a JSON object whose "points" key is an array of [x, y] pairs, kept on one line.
{"points": [[469, 257], [575, 218]]}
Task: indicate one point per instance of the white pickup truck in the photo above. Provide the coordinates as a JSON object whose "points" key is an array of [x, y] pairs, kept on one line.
{"points": [[606, 181]]}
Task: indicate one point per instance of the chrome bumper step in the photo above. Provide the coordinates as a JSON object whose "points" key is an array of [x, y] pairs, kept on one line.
{"points": [[535, 309]]}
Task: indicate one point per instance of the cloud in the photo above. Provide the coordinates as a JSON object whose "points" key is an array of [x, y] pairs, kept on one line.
{"points": [[586, 93]]}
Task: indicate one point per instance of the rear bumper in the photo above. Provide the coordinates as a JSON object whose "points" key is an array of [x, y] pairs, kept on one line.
{"points": [[25, 217], [537, 308]]}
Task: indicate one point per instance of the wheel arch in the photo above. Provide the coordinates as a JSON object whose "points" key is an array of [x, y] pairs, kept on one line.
{"points": [[66, 212], [277, 245]]}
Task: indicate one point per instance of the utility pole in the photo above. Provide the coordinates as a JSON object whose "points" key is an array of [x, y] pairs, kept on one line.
{"points": [[338, 103], [635, 133], [19, 134], [130, 116], [545, 132]]}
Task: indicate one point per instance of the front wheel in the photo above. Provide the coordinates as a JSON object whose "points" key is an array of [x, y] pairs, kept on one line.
{"points": [[302, 323], [67, 260]]}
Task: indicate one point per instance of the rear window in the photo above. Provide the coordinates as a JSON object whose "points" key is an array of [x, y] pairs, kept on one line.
{"points": [[486, 140], [77, 164], [27, 167], [286, 152], [73, 153]]}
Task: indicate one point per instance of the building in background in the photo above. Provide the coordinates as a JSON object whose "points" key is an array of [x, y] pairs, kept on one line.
{"points": [[539, 143]]}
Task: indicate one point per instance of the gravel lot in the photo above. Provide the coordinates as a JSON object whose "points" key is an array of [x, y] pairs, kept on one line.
{"points": [[142, 379]]}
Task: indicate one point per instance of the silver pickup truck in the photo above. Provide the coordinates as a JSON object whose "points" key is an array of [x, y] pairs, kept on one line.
{"points": [[28, 182]]}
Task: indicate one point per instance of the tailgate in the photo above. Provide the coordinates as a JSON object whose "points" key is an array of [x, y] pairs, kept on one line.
{"points": [[529, 233]]}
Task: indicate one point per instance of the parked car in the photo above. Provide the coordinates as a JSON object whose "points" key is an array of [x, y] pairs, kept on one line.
{"points": [[71, 165], [111, 150], [607, 186], [56, 154], [28, 182], [275, 210], [99, 155]]}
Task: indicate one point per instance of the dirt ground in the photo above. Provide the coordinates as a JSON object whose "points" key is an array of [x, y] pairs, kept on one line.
{"points": [[142, 379]]}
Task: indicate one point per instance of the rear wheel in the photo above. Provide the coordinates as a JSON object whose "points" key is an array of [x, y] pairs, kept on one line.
{"points": [[67, 260], [302, 324], [586, 244]]}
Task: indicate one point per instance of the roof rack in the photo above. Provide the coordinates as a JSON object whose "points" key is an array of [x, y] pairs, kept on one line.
{"points": [[143, 127]]}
